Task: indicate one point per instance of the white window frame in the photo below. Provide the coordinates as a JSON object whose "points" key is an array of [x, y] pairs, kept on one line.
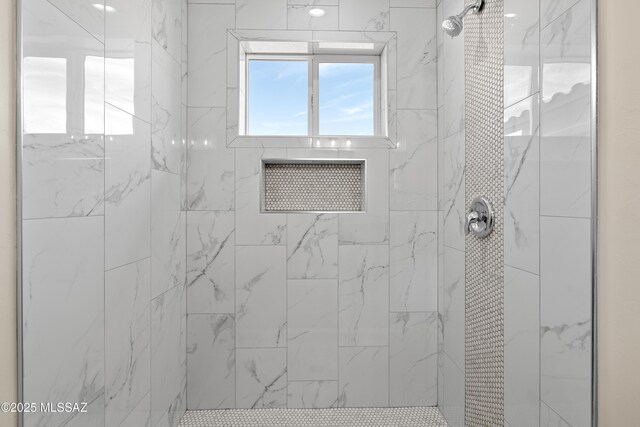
{"points": [[313, 89]]}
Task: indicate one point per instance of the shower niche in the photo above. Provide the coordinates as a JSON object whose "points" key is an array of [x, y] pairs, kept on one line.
{"points": [[313, 185]]}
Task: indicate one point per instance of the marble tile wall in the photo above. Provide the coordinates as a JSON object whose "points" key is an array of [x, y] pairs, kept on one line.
{"points": [[306, 310], [451, 212], [548, 212], [104, 219], [547, 159]]}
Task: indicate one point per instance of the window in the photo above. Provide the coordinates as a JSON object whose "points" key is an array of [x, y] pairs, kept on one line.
{"points": [[320, 89], [317, 95]]}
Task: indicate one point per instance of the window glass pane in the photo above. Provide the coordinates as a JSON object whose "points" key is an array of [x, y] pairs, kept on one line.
{"points": [[278, 97], [45, 95], [346, 99]]}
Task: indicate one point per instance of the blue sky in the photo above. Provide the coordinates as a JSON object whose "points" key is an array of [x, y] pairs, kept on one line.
{"points": [[278, 98]]}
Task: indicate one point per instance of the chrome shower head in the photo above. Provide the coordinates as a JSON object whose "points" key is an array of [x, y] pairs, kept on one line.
{"points": [[453, 24]]}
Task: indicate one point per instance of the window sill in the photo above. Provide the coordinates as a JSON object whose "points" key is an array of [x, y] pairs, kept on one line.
{"points": [[245, 141]]}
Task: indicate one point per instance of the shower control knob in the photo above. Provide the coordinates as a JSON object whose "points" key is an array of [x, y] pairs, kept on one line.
{"points": [[479, 220]]}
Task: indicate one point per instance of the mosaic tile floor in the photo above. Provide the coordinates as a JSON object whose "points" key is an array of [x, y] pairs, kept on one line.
{"points": [[339, 417]]}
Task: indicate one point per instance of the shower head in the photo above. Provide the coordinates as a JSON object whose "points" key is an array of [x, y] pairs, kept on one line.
{"points": [[453, 24]]}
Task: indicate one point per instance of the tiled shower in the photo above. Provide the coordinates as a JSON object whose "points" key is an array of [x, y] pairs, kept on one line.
{"points": [[154, 283]]}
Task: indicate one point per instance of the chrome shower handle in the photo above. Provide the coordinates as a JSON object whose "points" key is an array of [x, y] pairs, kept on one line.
{"points": [[474, 219], [479, 220]]}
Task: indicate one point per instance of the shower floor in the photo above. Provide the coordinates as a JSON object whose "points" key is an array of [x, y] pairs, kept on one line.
{"points": [[335, 417]]}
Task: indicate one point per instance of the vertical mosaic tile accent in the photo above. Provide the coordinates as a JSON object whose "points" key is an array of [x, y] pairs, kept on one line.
{"points": [[484, 269], [316, 186]]}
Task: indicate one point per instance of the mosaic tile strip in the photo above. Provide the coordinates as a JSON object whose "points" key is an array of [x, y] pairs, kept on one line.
{"points": [[313, 186], [335, 417], [484, 270]]}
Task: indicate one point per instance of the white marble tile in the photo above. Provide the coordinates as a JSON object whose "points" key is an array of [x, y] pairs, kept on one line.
{"points": [[565, 55], [417, 62], [392, 112], [168, 229], [261, 15], [165, 111], [185, 51], [312, 246], [521, 50], [453, 405], [454, 305], [364, 15], [210, 262], [128, 57], [210, 163], [565, 176], [298, 18], [315, 2], [522, 347], [565, 154], [413, 3], [85, 14], [252, 226], [373, 226], [522, 185], [565, 124], [235, 121], [211, 1], [63, 121], [552, 9], [565, 318], [453, 75], [140, 416], [548, 418], [183, 157], [94, 415], [127, 340], [414, 261], [63, 355], [312, 153], [413, 362], [312, 394], [364, 377], [166, 19], [440, 308], [440, 59], [261, 293], [312, 329], [168, 357], [235, 60], [440, 155], [565, 269], [63, 175], [127, 189], [454, 191], [211, 361], [364, 295], [208, 26], [414, 163], [261, 379]]}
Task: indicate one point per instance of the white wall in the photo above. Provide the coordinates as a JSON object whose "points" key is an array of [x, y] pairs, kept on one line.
{"points": [[8, 351], [618, 207]]}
